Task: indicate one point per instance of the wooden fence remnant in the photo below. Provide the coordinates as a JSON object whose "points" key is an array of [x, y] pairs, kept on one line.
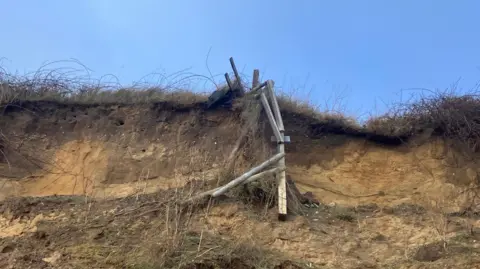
{"points": [[229, 81], [248, 174], [270, 117], [282, 183], [265, 92], [235, 72], [256, 78]]}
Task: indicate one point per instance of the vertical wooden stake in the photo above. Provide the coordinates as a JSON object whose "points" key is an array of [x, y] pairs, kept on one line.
{"points": [[237, 76], [282, 184], [229, 82], [256, 78]]}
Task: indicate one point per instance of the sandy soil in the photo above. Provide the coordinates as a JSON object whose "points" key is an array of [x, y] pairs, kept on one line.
{"points": [[105, 196]]}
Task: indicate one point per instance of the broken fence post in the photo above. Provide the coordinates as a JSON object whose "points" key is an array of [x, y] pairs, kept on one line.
{"points": [[256, 78], [248, 174], [237, 76], [229, 82]]}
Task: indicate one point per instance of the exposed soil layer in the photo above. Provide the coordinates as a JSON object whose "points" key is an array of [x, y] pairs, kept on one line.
{"points": [[96, 185]]}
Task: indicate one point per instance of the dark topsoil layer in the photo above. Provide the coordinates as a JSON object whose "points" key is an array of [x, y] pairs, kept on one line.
{"points": [[50, 117]]}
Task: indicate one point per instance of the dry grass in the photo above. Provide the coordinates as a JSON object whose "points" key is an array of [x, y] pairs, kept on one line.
{"points": [[446, 114], [14, 93], [67, 86], [442, 114], [338, 118], [175, 237]]}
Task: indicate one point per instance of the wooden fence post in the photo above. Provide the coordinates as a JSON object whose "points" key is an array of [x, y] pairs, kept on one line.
{"points": [[237, 76], [229, 82], [282, 181], [256, 78]]}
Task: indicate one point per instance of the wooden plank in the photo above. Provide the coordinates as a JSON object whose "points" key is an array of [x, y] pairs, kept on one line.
{"points": [[256, 78], [248, 174], [271, 118]]}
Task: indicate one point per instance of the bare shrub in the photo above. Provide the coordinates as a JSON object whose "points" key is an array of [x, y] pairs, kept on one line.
{"points": [[449, 116]]}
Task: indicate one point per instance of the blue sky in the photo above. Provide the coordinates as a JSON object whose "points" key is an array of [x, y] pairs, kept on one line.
{"points": [[360, 52]]}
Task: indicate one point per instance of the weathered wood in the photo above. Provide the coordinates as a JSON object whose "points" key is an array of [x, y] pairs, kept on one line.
{"points": [[255, 90], [282, 183], [258, 176], [229, 81], [275, 107], [263, 174], [270, 117], [237, 76], [201, 195], [248, 174], [256, 78]]}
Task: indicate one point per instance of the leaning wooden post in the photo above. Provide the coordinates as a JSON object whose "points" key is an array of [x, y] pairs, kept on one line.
{"points": [[248, 174], [276, 108], [237, 76], [256, 78], [229, 82], [270, 117], [282, 181]]}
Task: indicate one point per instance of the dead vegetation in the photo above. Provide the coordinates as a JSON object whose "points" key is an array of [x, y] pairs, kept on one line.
{"points": [[442, 113]]}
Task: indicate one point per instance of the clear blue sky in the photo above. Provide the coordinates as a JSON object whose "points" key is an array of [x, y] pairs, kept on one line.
{"points": [[366, 51]]}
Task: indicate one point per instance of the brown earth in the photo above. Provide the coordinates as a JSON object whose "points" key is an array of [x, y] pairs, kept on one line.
{"points": [[95, 186]]}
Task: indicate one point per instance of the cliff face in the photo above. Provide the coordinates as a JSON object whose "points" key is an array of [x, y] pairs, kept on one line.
{"points": [[116, 150], [120, 151]]}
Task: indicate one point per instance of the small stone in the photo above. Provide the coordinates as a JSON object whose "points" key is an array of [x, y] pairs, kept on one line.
{"points": [[54, 258]]}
